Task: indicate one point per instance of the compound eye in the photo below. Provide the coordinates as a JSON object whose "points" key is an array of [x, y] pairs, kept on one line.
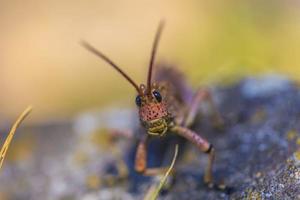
{"points": [[138, 100], [157, 96]]}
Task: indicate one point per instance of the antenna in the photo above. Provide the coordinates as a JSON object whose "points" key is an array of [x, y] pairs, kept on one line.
{"points": [[153, 53], [110, 62]]}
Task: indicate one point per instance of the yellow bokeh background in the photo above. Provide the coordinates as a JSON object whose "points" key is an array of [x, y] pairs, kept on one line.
{"points": [[42, 63]]}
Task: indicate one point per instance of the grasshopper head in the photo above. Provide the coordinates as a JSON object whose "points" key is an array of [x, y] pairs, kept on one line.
{"points": [[153, 111]]}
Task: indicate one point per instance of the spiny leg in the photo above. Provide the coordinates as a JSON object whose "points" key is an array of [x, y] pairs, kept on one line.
{"points": [[200, 96], [141, 161], [201, 144]]}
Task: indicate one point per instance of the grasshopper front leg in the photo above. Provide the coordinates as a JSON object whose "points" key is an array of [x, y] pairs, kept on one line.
{"points": [[203, 145], [141, 161]]}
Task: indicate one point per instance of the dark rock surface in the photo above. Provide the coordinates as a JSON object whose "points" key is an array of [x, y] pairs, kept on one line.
{"points": [[258, 152]]}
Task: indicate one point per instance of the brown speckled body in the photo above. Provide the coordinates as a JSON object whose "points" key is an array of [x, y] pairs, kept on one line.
{"points": [[177, 94]]}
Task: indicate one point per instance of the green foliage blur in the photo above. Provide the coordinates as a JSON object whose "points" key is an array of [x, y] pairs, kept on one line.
{"points": [[214, 41]]}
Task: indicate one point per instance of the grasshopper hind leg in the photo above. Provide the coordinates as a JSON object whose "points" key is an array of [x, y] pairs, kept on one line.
{"points": [[201, 96]]}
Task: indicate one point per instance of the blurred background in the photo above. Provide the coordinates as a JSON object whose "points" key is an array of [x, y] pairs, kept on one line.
{"points": [[61, 151], [42, 63]]}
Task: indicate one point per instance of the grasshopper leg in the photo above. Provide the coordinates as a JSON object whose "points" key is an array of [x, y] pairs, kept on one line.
{"points": [[141, 161], [203, 145], [200, 96]]}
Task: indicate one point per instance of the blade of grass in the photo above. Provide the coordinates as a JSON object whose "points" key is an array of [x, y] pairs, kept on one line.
{"points": [[12, 133], [154, 190]]}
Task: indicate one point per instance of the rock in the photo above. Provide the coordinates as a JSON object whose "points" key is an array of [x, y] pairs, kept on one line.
{"points": [[255, 155], [258, 152]]}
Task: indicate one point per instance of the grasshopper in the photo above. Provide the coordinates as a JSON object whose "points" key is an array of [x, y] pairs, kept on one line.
{"points": [[165, 106], [11, 134]]}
